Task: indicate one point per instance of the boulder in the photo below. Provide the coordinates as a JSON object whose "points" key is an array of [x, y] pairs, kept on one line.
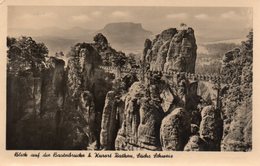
{"points": [[211, 127], [175, 130], [195, 143], [195, 129]]}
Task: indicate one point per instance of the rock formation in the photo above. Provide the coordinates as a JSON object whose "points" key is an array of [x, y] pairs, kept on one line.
{"points": [[86, 91], [173, 50], [52, 100], [195, 143], [87, 109], [113, 117], [211, 127], [24, 101], [132, 115], [36, 107], [175, 130], [163, 106], [109, 124], [151, 115]]}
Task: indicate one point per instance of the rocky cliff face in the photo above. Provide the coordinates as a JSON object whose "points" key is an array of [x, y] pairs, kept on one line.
{"points": [[175, 130], [173, 50], [82, 107], [60, 108], [211, 127], [152, 120], [110, 121], [85, 99], [34, 107], [23, 106], [85, 110], [52, 100]]}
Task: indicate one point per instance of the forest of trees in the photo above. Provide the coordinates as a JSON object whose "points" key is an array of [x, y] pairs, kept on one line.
{"points": [[211, 62], [217, 50], [237, 100]]}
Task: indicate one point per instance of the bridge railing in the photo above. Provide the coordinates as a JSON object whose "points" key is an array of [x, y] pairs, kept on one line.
{"points": [[191, 76]]}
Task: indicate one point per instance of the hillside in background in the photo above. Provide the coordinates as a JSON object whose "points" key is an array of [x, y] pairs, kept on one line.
{"points": [[125, 36], [129, 37], [210, 55]]}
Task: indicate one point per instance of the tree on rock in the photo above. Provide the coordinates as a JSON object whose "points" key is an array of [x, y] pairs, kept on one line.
{"points": [[24, 54], [119, 60], [101, 40]]}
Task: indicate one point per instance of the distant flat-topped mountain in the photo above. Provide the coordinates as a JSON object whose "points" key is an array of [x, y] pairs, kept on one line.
{"points": [[125, 28], [126, 35]]}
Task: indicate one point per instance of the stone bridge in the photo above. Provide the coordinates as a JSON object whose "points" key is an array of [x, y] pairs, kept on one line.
{"points": [[209, 86], [213, 78]]}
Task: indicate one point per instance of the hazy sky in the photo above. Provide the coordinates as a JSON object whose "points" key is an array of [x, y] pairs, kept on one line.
{"points": [[206, 21]]}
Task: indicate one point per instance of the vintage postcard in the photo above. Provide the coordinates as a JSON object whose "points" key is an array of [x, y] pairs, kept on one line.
{"points": [[112, 82]]}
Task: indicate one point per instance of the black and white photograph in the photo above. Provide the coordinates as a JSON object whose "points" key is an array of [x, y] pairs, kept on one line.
{"points": [[129, 78]]}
